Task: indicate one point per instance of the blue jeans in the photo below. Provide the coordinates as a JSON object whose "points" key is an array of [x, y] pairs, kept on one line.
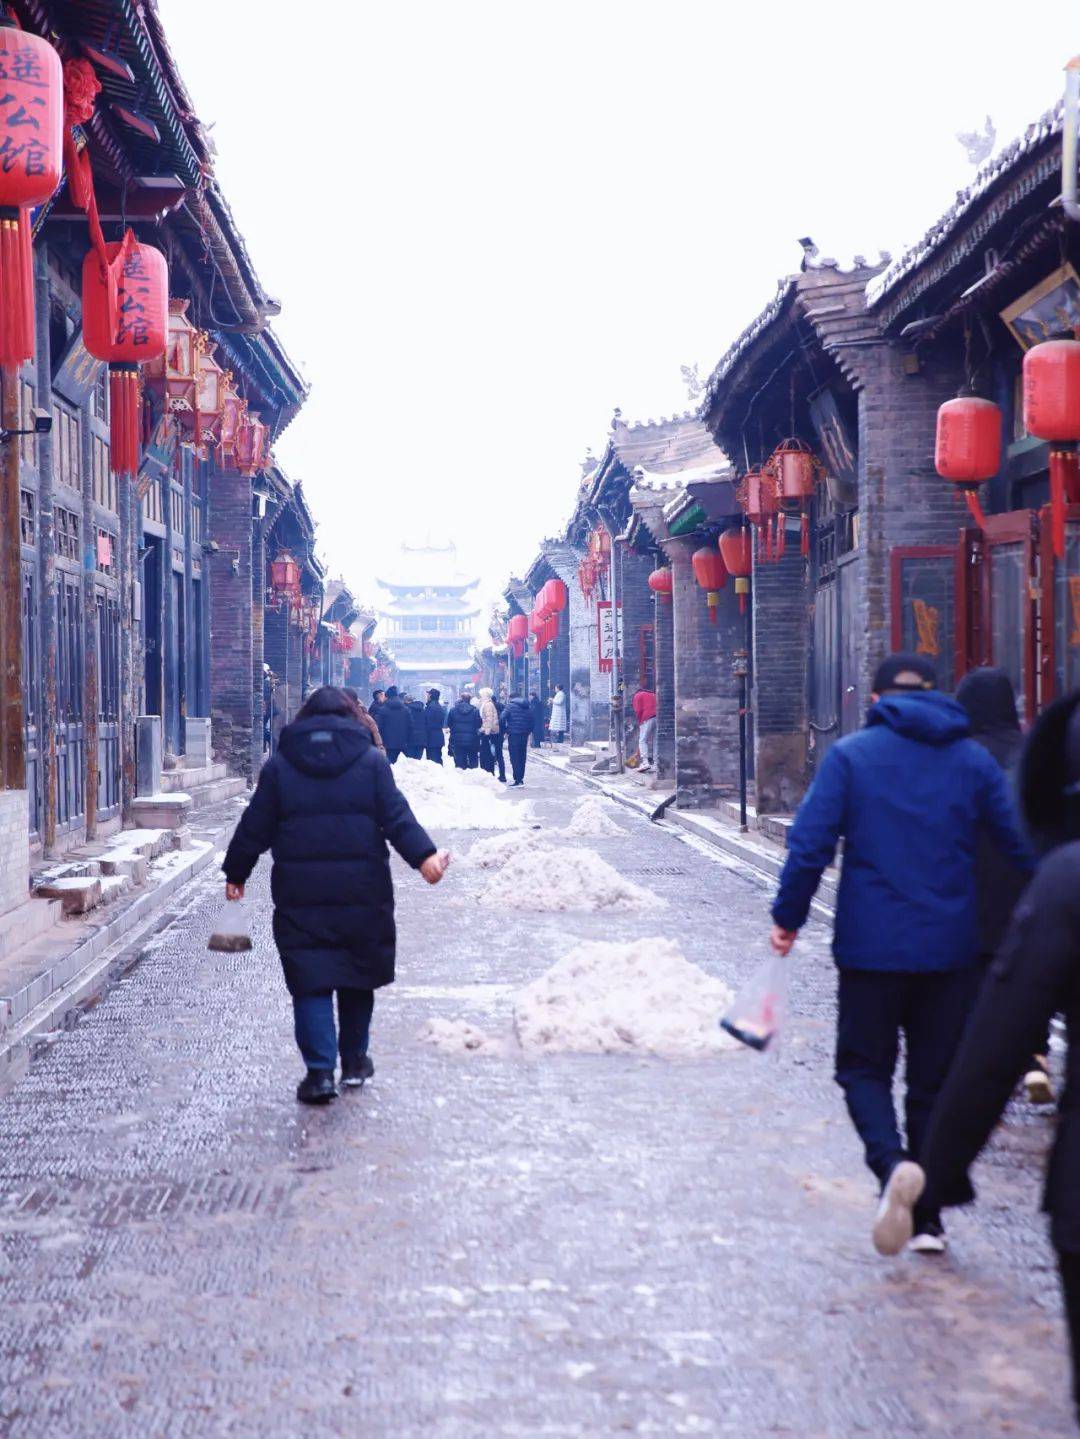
{"points": [[316, 1036]]}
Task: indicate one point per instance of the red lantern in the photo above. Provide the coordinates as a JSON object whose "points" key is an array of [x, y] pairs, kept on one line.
{"points": [[795, 471], [757, 496], [543, 601], [1052, 412], [711, 575], [558, 596], [967, 449], [209, 393], [233, 411], [125, 321], [517, 632], [251, 456], [173, 373], [31, 143], [285, 577], [737, 552], [661, 582]]}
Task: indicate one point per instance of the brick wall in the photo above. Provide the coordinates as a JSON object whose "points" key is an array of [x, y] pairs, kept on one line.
{"points": [[663, 625], [781, 626], [637, 611], [231, 659], [14, 849]]}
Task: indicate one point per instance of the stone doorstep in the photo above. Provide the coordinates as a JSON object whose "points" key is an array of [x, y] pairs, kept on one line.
{"points": [[161, 811], [77, 894], [186, 779]]}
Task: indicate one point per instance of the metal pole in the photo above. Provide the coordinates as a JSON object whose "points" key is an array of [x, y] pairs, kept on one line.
{"points": [[13, 755], [741, 667]]}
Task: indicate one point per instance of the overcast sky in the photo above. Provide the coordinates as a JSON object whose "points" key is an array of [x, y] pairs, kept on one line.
{"points": [[491, 222]]}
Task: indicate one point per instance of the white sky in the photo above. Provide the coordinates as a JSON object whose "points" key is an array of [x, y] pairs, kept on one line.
{"points": [[490, 222]]}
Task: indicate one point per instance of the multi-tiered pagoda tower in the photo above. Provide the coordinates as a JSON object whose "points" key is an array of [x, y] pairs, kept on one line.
{"points": [[429, 619]]}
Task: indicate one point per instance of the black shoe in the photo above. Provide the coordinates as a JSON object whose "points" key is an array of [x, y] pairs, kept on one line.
{"points": [[355, 1071], [929, 1237], [317, 1087]]}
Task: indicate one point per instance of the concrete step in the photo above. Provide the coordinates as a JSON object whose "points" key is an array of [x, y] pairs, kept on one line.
{"points": [[161, 811], [185, 780], [78, 895], [206, 795], [28, 922]]}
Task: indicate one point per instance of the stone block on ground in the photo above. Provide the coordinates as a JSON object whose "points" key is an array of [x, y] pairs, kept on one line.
{"points": [[161, 811], [149, 758], [197, 742], [77, 895]]}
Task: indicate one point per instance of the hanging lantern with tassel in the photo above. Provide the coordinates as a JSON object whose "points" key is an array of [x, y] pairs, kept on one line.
{"points": [[711, 575], [31, 147], [967, 448], [661, 582], [233, 413], [757, 497], [517, 632], [737, 552], [251, 450], [1052, 412], [795, 470]]}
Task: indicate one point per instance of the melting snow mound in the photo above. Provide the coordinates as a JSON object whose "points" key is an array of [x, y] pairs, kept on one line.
{"points": [[445, 798], [499, 849], [457, 1036], [591, 819], [552, 880]]}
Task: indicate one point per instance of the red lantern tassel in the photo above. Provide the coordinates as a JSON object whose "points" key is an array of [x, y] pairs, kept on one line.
{"points": [[1059, 468], [714, 600], [974, 504], [804, 535], [16, 288], [124, 418]]}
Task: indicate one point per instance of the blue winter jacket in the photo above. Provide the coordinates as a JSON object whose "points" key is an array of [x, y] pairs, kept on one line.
{"points": [[909, 794]]}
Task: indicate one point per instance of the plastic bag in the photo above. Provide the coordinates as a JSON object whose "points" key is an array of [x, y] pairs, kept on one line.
{"points": [[232, 930], [759, 1011]]}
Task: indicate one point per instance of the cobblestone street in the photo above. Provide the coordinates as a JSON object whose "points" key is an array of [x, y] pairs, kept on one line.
{"points": [[482, 1246]]}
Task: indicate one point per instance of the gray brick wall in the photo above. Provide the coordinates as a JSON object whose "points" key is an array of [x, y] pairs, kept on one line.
{"points": [[14, 849], [781, 593], [231, 651], [663, 622]]}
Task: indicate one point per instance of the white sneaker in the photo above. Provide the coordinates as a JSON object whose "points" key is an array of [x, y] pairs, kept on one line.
{"points": [[1037, 1086], [895, 1222], [928, 1243]]}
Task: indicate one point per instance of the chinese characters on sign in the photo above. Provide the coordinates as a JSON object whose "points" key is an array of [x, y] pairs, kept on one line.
{"points": [[607, 638]]}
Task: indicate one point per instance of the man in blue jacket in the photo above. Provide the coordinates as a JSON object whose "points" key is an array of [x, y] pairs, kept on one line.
{"points": [[910, 795]]}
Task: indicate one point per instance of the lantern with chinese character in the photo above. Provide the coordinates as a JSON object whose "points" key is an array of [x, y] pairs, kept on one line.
{"points": [[967, 448], [251, 453], [285, 578], [737, 552], [125, 322], [661, 582], [517, 632], [233, 412], [209, 393], [1052, 412], [31, 150], [711, 575]]}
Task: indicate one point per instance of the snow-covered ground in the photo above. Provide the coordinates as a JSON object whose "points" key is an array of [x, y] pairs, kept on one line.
{"points": [[443, 797]]}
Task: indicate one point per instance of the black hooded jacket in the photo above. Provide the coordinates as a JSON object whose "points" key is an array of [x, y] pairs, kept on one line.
{"points": [[394, 722], [517, 717], [417, 724], [435, 719], [988, 697], [464, 722], [325, 806], [1035, 975]]}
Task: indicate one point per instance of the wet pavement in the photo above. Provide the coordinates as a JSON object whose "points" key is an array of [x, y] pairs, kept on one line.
{"points": [[476, 1246]]}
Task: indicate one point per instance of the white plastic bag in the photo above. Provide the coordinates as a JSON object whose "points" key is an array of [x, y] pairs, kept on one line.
{"points": [[759, 1011], [232, 930]]}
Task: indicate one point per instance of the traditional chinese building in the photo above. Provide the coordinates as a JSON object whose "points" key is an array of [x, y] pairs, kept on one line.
{"points": [[429, 618]]}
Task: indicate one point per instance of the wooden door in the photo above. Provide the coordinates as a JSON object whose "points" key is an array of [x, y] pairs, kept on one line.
{"points": [[70, 772], [1059, 629], [1009, 604], [107, 636], [924, 605]]}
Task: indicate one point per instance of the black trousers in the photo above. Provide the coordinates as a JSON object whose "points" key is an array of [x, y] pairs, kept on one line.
{"points": [[414, 751], [518, 744], [875, 1007], [392, 754], [434, 754], [1069, 1269], [465, 758], [491, 754]]}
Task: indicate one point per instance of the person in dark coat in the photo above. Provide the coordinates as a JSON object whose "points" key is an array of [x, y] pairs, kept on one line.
{"points": [[395, 726], [375, 708], [1035, 974], [538, 710], [988, 697], [464, 724], [910, 794], [517, 726], [325, 806], [435, 722], [417, 728]]}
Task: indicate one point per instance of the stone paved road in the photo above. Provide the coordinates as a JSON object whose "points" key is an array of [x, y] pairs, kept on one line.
{"points": [[482, 1247]]}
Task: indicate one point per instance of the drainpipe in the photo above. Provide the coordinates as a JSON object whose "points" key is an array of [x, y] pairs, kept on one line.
{"points": [[1068, 139]]}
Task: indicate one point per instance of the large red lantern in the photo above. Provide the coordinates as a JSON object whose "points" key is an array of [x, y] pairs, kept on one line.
{"points": [[737, 552], [543, 601], [558, 596], [233, 411], [251, 450], [758, 499], [967, 448], [795, 470], [31, 151], [125, 322], [1052, 412], [210, 381], [661, 582], [517, 632], [285, 577], [711, 575]]}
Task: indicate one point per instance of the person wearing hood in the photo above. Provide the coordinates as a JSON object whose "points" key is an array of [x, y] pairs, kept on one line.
{"points": [[325, 806], [988, 696], [537, 710], [395, 725], [909, 795], [417, 728], [464, 724], [378, 700], [435, 722], [1035, 974], [491, 740], [517, 726]]}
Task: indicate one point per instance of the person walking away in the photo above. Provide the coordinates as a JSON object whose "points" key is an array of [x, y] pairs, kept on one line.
{"points": [[644, 703], [1035, 974], [394, 725], [560, 720], [435, 720], [537, 710], [375, 708], [464, 724], [364, 717], [988, 697], [491, 742], [325, 806], [517, 725], [417, 728], [909, 795]]}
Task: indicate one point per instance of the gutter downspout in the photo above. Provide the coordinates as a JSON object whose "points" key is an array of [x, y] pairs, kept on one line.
{"points": [[1069, 123]]}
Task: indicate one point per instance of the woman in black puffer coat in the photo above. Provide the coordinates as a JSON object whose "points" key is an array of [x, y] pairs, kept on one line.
{"points": [[325, 806]]}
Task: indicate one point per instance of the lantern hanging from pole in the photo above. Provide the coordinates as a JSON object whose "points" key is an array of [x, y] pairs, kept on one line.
{"points": [[661, 582], [757, 497], [967, 448], [1052, 412], [285, 577], [173, 373], [517, 632], [233, 413], [795, 469], [251, 456], [737, 552], [31, 146], [543, 601], [209, 393], [711, 575], [559, 596]]}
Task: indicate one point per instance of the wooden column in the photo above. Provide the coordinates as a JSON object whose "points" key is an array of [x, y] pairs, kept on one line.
{"points": [[89, 617], [46, 560]]}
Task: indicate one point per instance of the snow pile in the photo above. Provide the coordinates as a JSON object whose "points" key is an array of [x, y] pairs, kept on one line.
{"points": [[499, 849], [457, 1036], [591, 819], [444, 798], [557, 879]]}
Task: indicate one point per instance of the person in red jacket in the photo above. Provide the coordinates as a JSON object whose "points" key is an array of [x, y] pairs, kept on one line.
{"points": [[644, 703]]}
